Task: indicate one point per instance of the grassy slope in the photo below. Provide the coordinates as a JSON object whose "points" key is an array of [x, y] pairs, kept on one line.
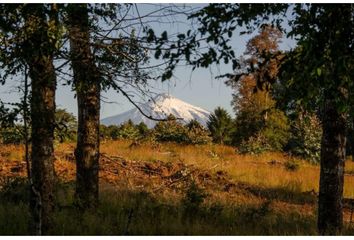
{"points": [[141, 193]]}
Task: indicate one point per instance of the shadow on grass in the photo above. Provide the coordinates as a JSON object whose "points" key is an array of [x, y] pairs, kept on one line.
{"points": [[127, 212], [290, 193]]}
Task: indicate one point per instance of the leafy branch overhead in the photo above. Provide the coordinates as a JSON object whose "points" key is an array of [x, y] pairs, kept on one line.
{"points": [[211, 41]]}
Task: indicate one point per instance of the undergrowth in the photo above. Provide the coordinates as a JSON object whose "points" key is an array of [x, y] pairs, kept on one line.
{"points": [[140, 213]]}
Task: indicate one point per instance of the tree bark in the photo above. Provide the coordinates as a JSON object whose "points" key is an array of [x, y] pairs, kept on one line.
{"points": [[43, 81], [87, 85], [330, 215]]}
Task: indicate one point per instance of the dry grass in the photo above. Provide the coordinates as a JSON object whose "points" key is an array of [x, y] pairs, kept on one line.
{"points": [[264, 197], [266, 170]]}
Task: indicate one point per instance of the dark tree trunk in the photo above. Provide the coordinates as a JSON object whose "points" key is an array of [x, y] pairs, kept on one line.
{"points": [[330, 215], [87, 85], [43, 82], [352, 140]]}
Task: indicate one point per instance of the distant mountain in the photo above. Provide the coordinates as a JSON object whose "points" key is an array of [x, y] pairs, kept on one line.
{"points": [[160, 107]]}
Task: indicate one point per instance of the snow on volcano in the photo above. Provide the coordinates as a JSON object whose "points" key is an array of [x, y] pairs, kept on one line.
{"points": [[160, 107]]}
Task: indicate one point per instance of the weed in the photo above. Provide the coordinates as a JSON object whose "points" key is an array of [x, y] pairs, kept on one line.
{"points": [[15, 190], [291, 165], [192, 201]]}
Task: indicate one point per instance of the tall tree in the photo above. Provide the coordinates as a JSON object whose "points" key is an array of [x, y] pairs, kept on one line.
{"points": [[106, 52], [259, 123], [321, 67], [87, 84], [29, 36], [39, 59]]}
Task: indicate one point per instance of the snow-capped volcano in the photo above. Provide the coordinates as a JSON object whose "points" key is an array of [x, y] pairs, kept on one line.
{"points": [[160, 107]]}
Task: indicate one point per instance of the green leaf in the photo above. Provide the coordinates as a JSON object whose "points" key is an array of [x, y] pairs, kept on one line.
{"points": [[319, 71]]}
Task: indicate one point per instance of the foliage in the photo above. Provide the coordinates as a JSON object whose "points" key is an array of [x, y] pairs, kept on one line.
{"points": [[170, 131], [143, 129], [128, 130], [113, 132], [12, 135], [253, 145], [260, 126], [306, 137], [65, 126], [10, 132], [291, 165], [220, 125], [196, 133], [193, 199], [8, 116]]}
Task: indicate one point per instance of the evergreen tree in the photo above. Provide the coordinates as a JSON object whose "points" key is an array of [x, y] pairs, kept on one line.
{"points": [[220, 126]]}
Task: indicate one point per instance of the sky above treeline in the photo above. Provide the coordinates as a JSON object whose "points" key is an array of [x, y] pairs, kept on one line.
{"points": [[198, 87]]}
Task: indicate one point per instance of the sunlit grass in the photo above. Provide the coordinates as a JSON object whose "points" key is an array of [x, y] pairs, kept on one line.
{"points": [[275, 200], [252, 169]]}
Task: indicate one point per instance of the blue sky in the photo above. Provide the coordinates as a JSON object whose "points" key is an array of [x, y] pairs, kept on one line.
{"points": [[199, 87]]}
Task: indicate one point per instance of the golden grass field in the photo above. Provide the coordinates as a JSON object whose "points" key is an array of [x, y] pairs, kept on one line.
{"points": [[250, 189]]}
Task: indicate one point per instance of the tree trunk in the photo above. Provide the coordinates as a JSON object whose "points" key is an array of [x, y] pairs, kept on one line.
{"points": [[43, 82], [87, 85], [330, 215], [352, 141], [351, 138]]}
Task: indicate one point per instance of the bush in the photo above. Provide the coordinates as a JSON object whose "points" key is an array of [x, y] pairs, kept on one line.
{"points": [[15, 190], [164, 131], [12, 135], [170, 131], [254, 145], [192, 201], [306, 137], [291, 166], [128, 131], [197, 134], [272, 134]]}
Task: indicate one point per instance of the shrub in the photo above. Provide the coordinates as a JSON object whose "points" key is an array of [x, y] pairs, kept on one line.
{"points": [[197, 134], [15, 190], [291, 165], [257, 118], [170, 131], [128, 131], [12, 135], [254, 145], [270, 134], [306, 137], [192, 201], [143, 129]]}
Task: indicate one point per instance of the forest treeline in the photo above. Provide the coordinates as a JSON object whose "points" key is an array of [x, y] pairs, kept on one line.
{"points": [[282, 98]]}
